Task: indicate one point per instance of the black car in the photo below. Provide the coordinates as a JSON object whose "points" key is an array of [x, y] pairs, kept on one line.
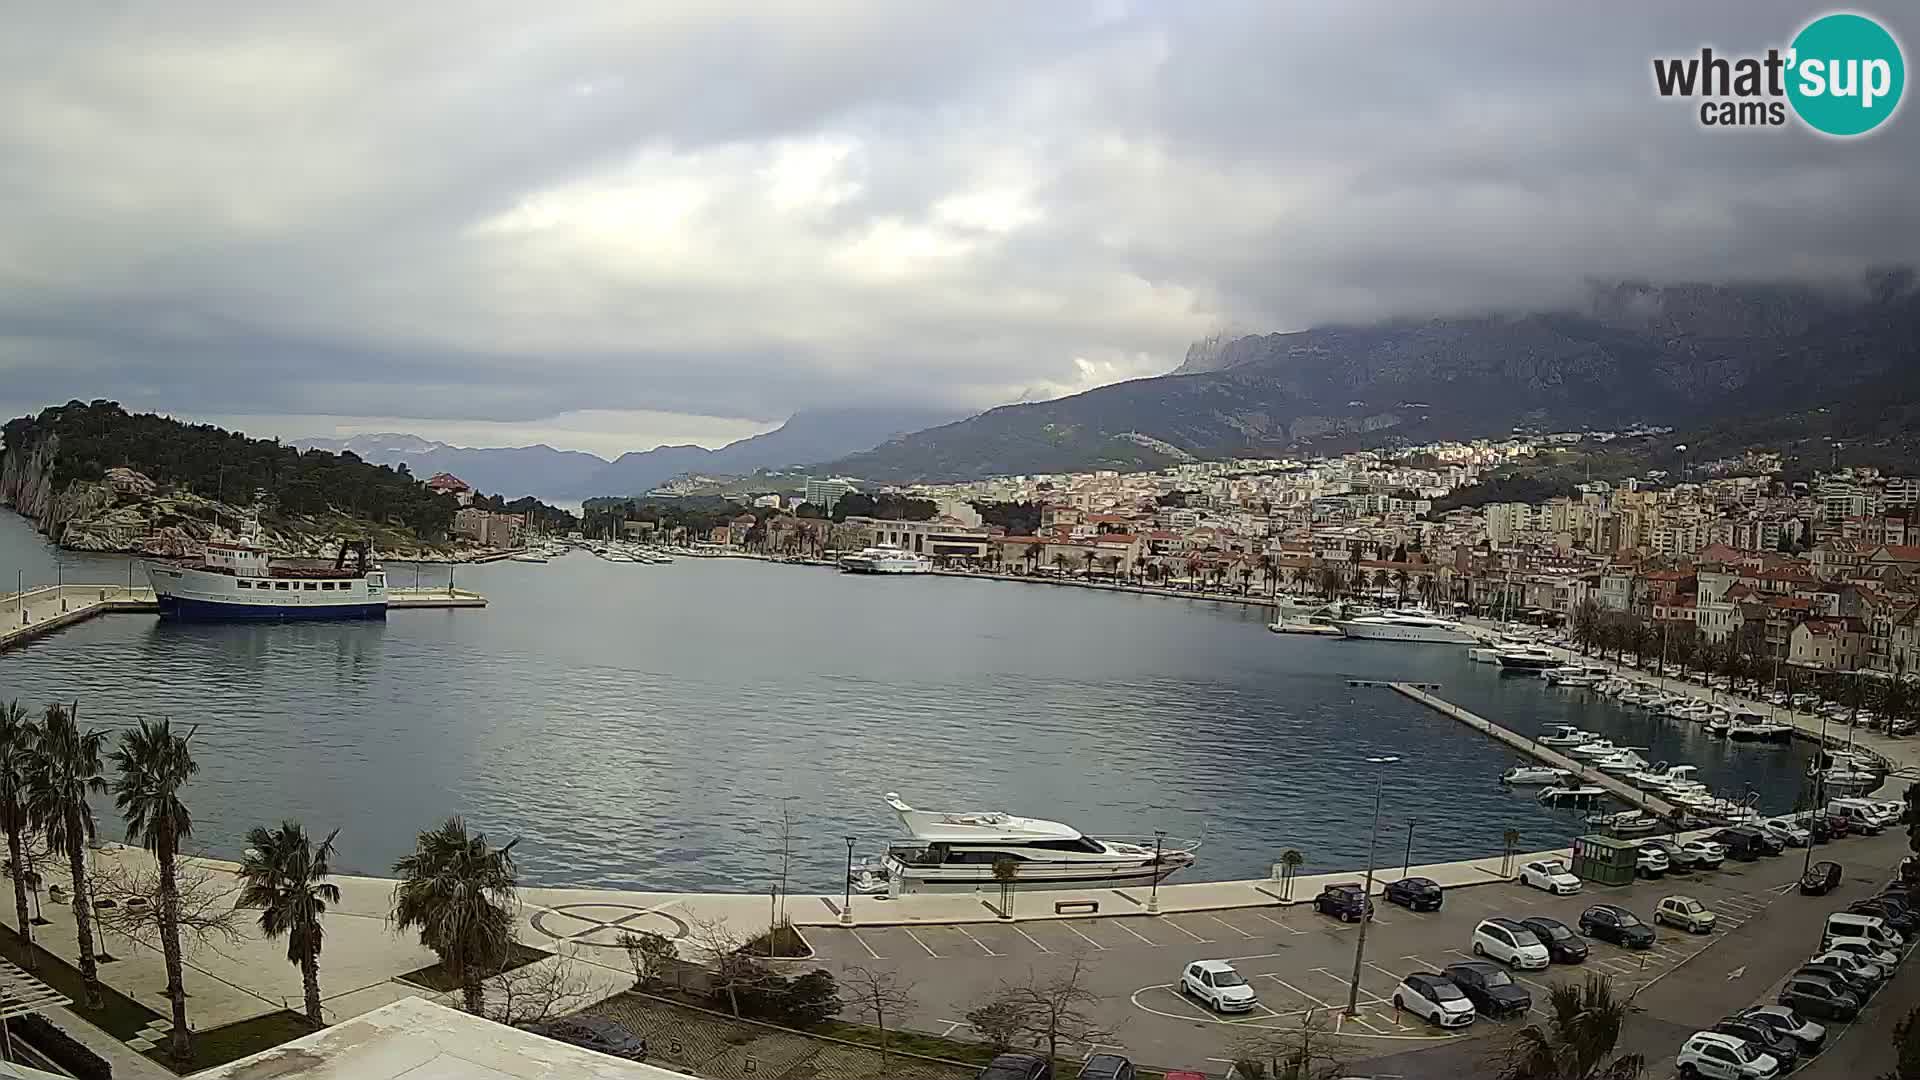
{"points": [[1563, 945], [1415, 893], [1016, 1067], [1346, 901], [1820, 879], [1492, 991], [1107, 1067], [1679, 859], [1611, 922], [1783, 1047], [1891, 911], [1742, 845], [1810, 995], [594, 1033], [1819, 829], [1851, 981]]}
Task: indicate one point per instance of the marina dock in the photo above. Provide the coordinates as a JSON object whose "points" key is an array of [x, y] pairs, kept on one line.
{"points": [[39, 611], [399, 599], [27, 615], [1620, 789]]}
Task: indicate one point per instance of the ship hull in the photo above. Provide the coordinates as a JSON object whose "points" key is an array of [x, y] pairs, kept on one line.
{"points": [[1430, 635], [185, 610]]}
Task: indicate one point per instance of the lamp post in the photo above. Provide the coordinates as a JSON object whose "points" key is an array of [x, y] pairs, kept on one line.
{"points": [[846, 898], [1153, 893], [1819, 781], [1407, 865], [1366, 895]]}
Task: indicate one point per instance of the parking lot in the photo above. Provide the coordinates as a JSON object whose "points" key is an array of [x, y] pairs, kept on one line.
{"points": [[1300, 963]]}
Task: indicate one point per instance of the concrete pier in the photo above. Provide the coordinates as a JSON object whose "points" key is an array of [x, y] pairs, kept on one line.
{"points": [[1587, 774], [27, 615], [400, 599]]}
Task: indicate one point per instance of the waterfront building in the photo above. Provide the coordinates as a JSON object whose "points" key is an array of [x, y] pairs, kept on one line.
{"points": [[942, 537], [825, 494]]}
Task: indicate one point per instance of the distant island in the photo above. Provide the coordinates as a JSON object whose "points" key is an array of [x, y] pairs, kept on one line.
{"points": [[94, 477]]}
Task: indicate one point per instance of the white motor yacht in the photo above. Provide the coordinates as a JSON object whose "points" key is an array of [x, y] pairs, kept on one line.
{"points": [[1719, 718], [1752, 727], [1523, 775], [1571, 796], [958, 851], [1627, 823], [1593, 751], [1625, 763], [1490, 653], [885, 559], [1405, 624], [1528, 659]]}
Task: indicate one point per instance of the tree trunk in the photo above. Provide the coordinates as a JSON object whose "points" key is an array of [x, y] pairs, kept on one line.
{"points": [[15, 852], [310, 982], [470, 993], [182, 1043], [82, 913]]}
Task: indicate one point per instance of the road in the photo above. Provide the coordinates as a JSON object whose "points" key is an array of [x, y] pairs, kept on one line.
{"points": [[1301, 963]]}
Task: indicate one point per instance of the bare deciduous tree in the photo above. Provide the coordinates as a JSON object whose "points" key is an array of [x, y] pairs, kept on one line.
{"points": [[539, 991], [1059, 1006], [877, 994], [731, 969], [997, 1020], [649, 953], [205, 902], [1304, 1053]]}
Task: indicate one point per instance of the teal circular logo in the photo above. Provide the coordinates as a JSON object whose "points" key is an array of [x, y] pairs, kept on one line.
{"points": [[1847, 74]]}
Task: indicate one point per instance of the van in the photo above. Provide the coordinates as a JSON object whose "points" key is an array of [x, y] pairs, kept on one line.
{"points": [[1848, 924], [1859, 819]]}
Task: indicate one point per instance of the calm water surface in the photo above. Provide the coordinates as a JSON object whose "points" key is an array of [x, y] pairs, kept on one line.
{"points": [[646, 726]]}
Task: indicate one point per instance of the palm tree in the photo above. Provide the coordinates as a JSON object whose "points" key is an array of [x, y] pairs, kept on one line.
{"points": [[16, 751], [154, 764], [1382, 579], [64, 770], [456, 890], [1063, 562], [1267, 572], [1301, 576], [1331, 579], [1400, 580], [285, 877], [1291, 860], [1576, 1042]]}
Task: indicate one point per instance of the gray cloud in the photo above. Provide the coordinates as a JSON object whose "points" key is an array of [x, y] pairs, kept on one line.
{"points": [[479, 214]]}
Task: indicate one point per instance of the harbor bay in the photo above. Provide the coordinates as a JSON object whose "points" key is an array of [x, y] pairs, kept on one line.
{"points": [[648, 727]]}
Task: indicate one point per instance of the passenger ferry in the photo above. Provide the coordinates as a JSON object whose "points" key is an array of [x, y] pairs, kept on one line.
{"points": [[239, 581]]}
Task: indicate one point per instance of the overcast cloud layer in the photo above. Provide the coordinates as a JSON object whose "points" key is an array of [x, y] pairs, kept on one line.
{"points": [[610, 225]]}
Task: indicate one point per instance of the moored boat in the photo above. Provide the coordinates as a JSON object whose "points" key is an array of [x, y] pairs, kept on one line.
{"points": [[958, 851], [885, 559], [241, 582], [1523, 775]]}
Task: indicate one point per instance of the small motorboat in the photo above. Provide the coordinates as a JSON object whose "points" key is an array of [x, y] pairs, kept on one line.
{"points": [[1579, 795], [1567, 735], [1627, 823], [1621, 764], [868, 877], [1521, 775], [1596, 749]]}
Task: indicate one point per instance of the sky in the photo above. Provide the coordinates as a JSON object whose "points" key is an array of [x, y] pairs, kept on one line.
{"points": [[605, 226]]}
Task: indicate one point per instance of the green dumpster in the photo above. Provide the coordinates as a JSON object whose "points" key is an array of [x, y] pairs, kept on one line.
{"points": [[1605, 860]]}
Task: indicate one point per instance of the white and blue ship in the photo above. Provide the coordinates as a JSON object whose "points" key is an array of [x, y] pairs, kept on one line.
{"points": [[239, 581]]}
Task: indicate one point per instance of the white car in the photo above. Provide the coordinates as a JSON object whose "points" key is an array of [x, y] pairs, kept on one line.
{"points": [[1789, 831], [1215, 984], [1551, 875], [1848, 960], [1724, 1057], [1435, 999], [1865, 950], [1511, 944], [1650, 862], [1704, 852]]}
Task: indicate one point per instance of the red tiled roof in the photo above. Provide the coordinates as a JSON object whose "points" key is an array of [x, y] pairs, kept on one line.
{"points": [[1901, 552]]}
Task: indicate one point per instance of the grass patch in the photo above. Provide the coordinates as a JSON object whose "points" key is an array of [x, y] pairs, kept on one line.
{"points": [[910, 1042], [118, 1015], [435, 976], [235, 1041], [782, 942]]}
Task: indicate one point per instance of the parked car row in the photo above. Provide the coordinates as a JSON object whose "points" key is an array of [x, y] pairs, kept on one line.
{"points": [[1859, 949]]}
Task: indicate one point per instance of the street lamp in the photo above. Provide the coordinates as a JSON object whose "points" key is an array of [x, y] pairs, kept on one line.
{"points": [[1153, 893], [1819, 781], [1366, 895], [846, 898]]}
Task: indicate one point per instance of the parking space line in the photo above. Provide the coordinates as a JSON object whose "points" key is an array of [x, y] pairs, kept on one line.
{"points": [[1362, 1023], [1278, 923], [1542, 987], [1297, 990], [1030, 939], [1083, 937], [1122, 925], [1184, 930], [863, 944], [1463, 956], [1389, 974], [1229, 926], [1349, 984], [922, 944], [977, 941]]}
